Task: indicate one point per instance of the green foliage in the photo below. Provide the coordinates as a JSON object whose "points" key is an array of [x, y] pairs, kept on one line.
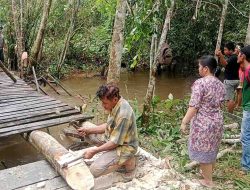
{"points": [[188, 37], [164, 131]]}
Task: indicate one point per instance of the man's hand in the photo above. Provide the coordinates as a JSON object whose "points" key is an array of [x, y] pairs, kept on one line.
{"points": [[183, 128], [90, 152], [83, 131], [218, 53]]}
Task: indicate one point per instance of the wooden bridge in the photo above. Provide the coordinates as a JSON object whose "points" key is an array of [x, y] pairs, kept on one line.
{"points": [[23, 109]]}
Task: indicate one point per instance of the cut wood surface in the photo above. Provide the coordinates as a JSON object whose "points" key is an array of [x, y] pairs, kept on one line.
{"points": [[77, 176], [23, 109]]}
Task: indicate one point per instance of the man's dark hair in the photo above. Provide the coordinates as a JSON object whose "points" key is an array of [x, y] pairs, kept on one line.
{"points": [[108, 91], [246, 52], [230, 46], [208, 61]]}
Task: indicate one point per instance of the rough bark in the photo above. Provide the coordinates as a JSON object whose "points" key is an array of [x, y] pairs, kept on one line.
{"points": [[40, 34], [222, 21], [74, 10], [77, 176], [151, 83], [117, 43], [19, 35], [247, 41]]}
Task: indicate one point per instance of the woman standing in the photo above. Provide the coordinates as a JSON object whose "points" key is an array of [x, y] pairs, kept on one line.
{"points": [[206, 119]]}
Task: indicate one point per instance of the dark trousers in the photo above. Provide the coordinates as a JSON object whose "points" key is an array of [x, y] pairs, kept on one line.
{"points": [[1, 55]]}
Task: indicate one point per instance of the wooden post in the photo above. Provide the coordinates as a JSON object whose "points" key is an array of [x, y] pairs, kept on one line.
{"points": [[77, 176], [45, 81], [7, 72], [57, 82], [34, 74]]}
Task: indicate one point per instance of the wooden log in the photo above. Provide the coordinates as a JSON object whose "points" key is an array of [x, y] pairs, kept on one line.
{"points": [[233, 116], [77, 176], [226, 136], [232, 126], [230, 141], [7, 72], [193, 164]]}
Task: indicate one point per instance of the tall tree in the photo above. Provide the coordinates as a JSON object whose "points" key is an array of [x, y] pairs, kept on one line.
{"points": [[222, 21], [40, 34], [117, 43], [247, 41], [74, 4], [154, 57], [18, 31]]}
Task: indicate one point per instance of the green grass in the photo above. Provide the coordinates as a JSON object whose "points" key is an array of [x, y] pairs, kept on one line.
{"points": [[161, 137]]}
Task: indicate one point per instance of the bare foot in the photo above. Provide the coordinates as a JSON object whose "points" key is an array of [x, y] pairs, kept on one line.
{"points": [[206, 183]]}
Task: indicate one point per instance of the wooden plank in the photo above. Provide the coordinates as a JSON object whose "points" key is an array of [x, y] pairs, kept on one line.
{"points": [[50, 184], [40, 118], [47, 108], [21, 98], [27, 105], [25, 101], [25, 175], [22, 116], [15, 91], [15, 86], [39, 125], [31, 106], [7, 72], [8, 96]]}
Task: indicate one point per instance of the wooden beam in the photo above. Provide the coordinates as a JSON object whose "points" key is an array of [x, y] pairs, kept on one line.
{"points": [[77, 176], [34, 74], [58, 83], [38, 125], [7, 72], [39, 118]]}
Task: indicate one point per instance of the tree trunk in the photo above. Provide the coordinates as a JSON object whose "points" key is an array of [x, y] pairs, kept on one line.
{"points": [[197, 8], [151, 83], [76, 175], [74, 10], [222, 21], [117, 43], [40, 34], [19, 37], [247, 41]]}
